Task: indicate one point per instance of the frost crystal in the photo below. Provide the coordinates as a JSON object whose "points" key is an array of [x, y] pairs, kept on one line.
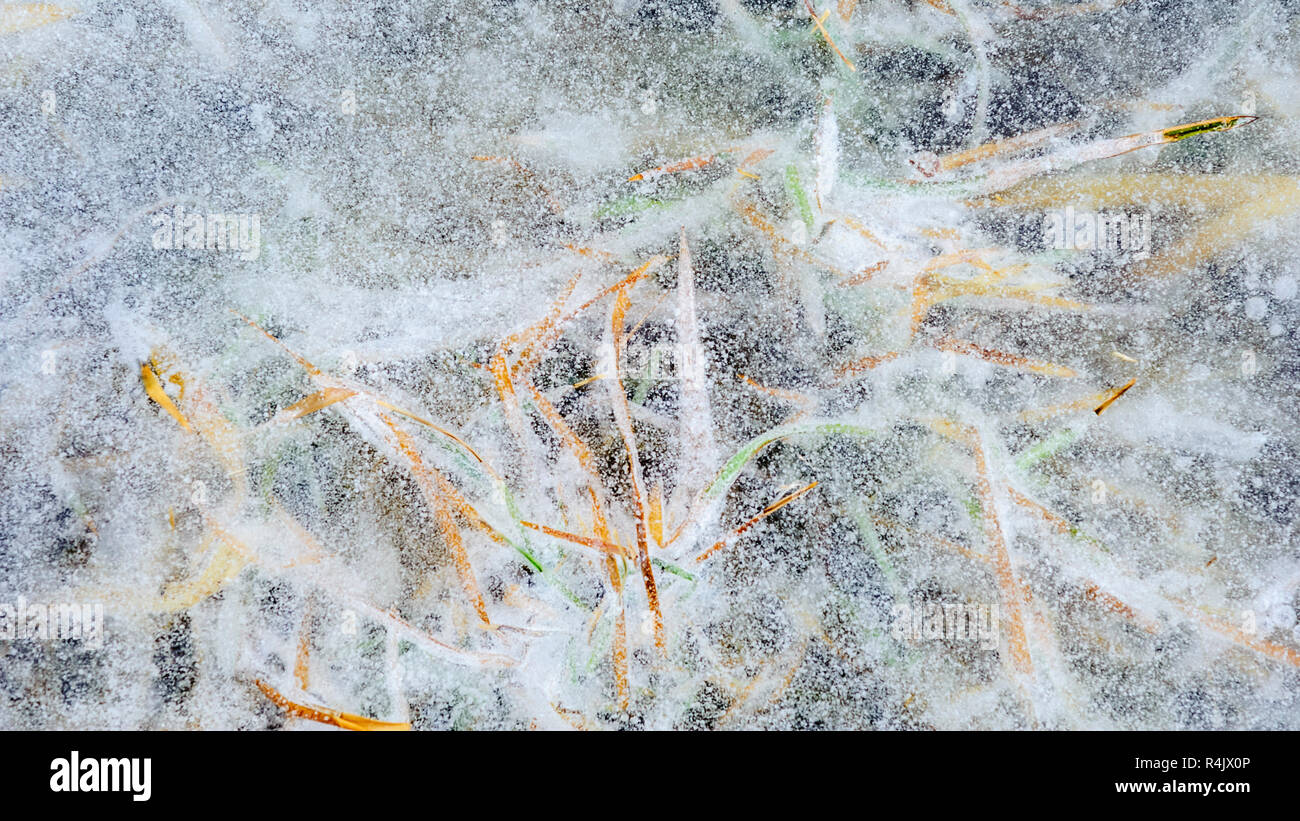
{"points": [[649, 364]]}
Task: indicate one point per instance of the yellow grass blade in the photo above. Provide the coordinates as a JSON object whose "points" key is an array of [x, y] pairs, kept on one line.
{"points": [[317, 401], [656, 518], [1222, 233], [1126, 191], [155, 391], [228, 561]]}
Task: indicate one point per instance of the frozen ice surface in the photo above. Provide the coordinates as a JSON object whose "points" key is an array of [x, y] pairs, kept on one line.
{"points": [[650, 364]]}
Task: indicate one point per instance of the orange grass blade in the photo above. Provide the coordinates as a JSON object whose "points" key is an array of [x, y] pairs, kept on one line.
{"points": [[594, 543], [779, 393], [302, 663], [528, 176], [1093, 592], [752, 159], [468, 512], [592, 253], [622, 418], [866, 275], [817, 21], [453, 437], [1236, 634], [325, 715], [1078, 405], [567, 435], [573, 718], [1106, 601], [540, 336], [781, 245], [500, 370], [307, 366], [961, 346], [626, 282], [767, 511], [322, 378], [1115, 395], [618, 652], [528, 357], [426, 477], [866, 363], [674, 167], [861, 229]]}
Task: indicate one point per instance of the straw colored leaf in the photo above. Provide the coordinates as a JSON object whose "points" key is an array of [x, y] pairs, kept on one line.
{"points": [[22, 16], [228, 560]]}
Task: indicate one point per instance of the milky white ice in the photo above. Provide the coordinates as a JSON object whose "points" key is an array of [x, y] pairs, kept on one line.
{"points": [[658, 364]]}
